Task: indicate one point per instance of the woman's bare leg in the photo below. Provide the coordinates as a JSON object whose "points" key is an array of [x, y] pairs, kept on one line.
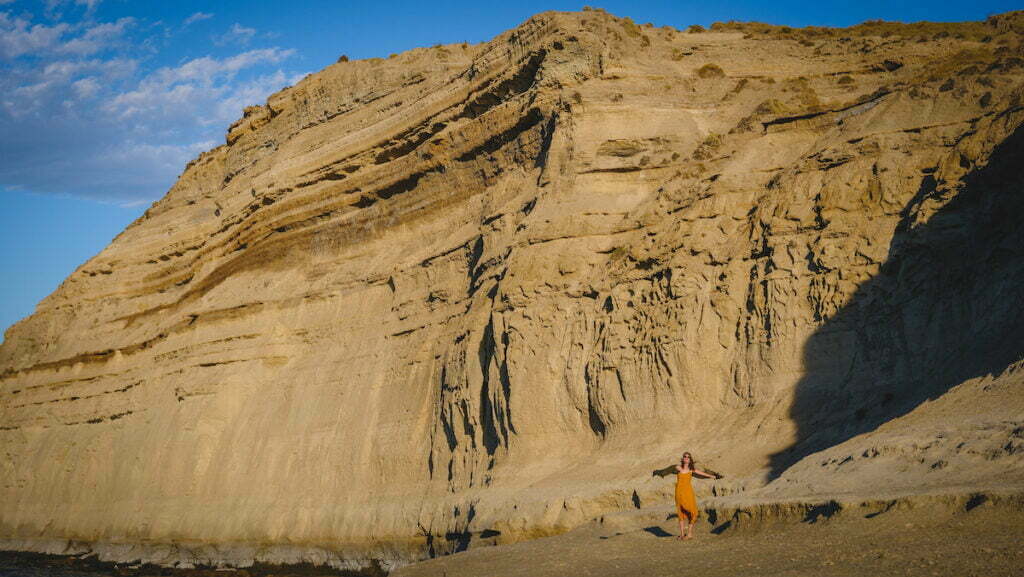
{"points": [[682, 526], [689, 529]]}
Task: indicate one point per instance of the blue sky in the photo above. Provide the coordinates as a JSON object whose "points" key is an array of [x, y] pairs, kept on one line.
{"points": [[103, 102]]}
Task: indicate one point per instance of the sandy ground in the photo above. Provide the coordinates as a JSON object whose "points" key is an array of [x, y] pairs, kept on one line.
{"points": [[982, 542]]}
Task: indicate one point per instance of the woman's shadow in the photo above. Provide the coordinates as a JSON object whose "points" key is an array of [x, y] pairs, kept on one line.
{"points": [[946, 306], [658, 531]]}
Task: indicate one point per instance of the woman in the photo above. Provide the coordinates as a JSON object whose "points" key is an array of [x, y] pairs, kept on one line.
{"points": [[686, 502]]}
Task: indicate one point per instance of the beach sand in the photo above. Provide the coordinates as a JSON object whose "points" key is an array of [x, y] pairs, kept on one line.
{"points": [[984, 541]]}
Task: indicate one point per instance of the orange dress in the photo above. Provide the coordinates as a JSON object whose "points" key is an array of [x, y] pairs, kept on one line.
{"points": [[686, 502]]}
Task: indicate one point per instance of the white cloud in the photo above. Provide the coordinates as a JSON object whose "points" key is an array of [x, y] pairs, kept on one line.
{"points": [[81, 113], [52, 6], [168, 90], [97, 37], [89, 4], [255, 91], [86, 87], [237, 35], [17, 37], [31, 90], [197, 17], [206, 69]]}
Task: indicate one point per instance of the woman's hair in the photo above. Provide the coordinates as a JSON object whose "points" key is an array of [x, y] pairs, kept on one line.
{"points": [[693, 462]]}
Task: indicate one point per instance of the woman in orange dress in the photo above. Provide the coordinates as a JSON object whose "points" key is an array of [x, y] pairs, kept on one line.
{"points": [[686, 502]]}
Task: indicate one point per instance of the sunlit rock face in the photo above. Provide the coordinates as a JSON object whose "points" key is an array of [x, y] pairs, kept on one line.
{"points": [[474, 294]]}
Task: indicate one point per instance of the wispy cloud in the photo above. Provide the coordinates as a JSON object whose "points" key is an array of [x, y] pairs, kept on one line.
{"points": [[197, 17], [237, 35], [53, 6], [97, 38]]}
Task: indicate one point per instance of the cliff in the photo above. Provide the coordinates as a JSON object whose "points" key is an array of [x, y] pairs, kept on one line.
{"points": [[475, 293]]}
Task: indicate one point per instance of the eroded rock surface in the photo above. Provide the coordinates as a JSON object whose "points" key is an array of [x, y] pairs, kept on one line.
{"points": [[476, 293]]}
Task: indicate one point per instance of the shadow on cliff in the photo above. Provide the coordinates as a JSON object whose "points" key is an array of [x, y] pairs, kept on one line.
{"points": [[946, 306]]}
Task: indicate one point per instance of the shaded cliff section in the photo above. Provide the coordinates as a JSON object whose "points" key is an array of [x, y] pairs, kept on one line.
{"points": [[945, 307]]}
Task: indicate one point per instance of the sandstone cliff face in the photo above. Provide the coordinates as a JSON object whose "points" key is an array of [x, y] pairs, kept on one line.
{"points": [[475, 293]]}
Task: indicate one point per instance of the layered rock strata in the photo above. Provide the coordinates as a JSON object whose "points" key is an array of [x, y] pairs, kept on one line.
{"points": [[474, 293]]}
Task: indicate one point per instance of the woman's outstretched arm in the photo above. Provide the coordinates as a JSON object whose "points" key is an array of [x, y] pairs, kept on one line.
{"points": [[671, 469], [707, 474]]}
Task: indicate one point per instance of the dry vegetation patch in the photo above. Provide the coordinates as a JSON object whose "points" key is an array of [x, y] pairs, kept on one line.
{"points": [[710, 71], [880, 28]]}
